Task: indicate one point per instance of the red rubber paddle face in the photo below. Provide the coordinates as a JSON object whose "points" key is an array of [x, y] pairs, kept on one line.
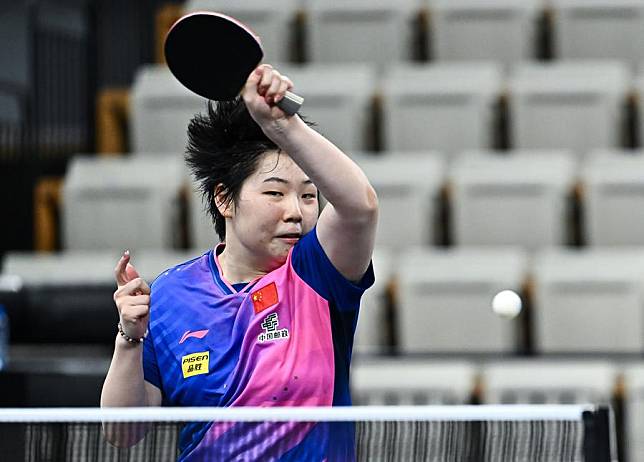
{"points": [[212, 54]]}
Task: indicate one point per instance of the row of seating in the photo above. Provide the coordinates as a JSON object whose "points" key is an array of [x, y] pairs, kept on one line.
{"points": [[523, 198], [404, 381], [383, 31], [448, 106], [424, 300], [575, 301]]}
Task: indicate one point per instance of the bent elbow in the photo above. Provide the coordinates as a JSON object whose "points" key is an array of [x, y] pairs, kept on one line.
{"points": [[362, 209], [369, 209], [124, 435], [372, 200]]}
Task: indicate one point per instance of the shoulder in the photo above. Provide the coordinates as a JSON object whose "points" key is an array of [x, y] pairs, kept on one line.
{"points": [[310, 262], [180, 277], [177, 272]]}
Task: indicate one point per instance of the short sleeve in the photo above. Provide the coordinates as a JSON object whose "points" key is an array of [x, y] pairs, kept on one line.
{"points": [[312, 264], [151, 372]]}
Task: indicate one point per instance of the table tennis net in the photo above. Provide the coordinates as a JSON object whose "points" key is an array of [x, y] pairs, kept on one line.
{"points": [[422, 433]]}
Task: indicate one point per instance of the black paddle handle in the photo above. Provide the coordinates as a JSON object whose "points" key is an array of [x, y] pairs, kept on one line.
{"points": [[291, 103]]}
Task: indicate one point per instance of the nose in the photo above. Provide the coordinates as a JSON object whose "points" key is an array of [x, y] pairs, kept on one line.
{"points": [[292, 210]]}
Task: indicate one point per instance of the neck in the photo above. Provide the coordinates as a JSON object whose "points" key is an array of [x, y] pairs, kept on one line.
{"points": [[237, 265]]}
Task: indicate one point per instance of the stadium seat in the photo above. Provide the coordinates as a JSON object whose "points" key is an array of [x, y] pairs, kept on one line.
{"points": [[409, 193], [122, 203], [499, 30], [613, 193], [47, 296], [374, 31], [51, 297], [274, 21], [444, 299], [568, 105], [161, 110], [548, 382], [338, 98], [448, 106], [521, 198], [374, 330], [411, 382], [589, 301], [55, 375], [634, 410], [599, 29]]}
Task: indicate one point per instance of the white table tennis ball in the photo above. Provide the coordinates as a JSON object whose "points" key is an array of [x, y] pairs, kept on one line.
{"points": [[507, 304]]}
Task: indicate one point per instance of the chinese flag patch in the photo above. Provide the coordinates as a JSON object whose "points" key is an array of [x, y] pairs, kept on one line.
{"points": [[265, 297]]}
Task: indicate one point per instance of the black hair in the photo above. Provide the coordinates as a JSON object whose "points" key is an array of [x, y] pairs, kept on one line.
{"points": [[224, 147]]}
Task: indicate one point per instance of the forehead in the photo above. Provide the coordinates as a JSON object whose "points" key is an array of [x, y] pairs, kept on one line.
{"points": [[278, 164]]}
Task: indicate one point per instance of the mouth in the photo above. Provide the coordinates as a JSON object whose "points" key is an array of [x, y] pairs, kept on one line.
{"points": [[290, 237]]}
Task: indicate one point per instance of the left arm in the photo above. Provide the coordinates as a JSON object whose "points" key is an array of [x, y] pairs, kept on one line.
{"points": [[347, 225]]}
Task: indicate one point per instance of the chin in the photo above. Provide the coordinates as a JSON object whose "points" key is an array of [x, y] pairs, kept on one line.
{"points": [[279, 253], [276, 262], [278, 257], [281, 257]]}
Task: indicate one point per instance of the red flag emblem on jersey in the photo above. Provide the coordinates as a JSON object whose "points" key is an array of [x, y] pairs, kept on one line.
{"points": [[265, 297]]}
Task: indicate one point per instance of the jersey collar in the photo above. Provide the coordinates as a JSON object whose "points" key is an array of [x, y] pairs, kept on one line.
{"points": [[218, 273]]}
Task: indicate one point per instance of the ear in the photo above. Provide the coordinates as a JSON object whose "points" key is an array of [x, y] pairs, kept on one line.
{"points": [[224, 209]]}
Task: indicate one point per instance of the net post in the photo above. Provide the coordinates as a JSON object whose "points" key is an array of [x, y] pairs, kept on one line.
{"points": [[598, 444]]}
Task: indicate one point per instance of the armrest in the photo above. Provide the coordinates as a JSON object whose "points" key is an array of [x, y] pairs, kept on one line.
{"points": [[47, 201], [112, 115]]}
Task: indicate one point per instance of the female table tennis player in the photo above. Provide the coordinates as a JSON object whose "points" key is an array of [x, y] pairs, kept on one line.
{"points": [[267, 317]]}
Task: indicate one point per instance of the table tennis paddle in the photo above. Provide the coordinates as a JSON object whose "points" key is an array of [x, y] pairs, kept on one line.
{"points": [[212, 55]]}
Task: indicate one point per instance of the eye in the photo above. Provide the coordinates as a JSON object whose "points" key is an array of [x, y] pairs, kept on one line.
{"points": [[273, 193], [309, 196]]}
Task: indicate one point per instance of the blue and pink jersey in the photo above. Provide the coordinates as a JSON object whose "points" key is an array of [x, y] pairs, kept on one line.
{"points": [[284, 339]]}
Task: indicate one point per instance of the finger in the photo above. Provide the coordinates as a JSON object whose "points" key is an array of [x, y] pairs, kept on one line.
{"points": [[136, 300], [119, 271], [274, 88], [256, 76], [131, 272], [250, 89], [145, 288], [265, 83], [281, 92], [141, 288], [130, 287], [126, 302], [288, 81]]}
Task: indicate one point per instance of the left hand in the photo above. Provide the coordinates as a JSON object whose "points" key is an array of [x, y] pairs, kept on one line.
{"points": [[264, 88]]}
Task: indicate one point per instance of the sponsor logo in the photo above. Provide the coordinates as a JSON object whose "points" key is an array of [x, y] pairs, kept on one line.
{"points": [[270, 326], [195, 364], [195, 334]]}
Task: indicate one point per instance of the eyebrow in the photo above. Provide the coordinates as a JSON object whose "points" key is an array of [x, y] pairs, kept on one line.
{"points": [[282, 180]]}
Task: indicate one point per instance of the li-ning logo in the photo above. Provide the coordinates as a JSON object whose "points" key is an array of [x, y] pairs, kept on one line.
{"points": [[195, 334], [270, 324]]}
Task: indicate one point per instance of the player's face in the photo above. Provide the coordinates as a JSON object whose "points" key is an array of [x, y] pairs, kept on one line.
{"points": [[277, 205]]}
